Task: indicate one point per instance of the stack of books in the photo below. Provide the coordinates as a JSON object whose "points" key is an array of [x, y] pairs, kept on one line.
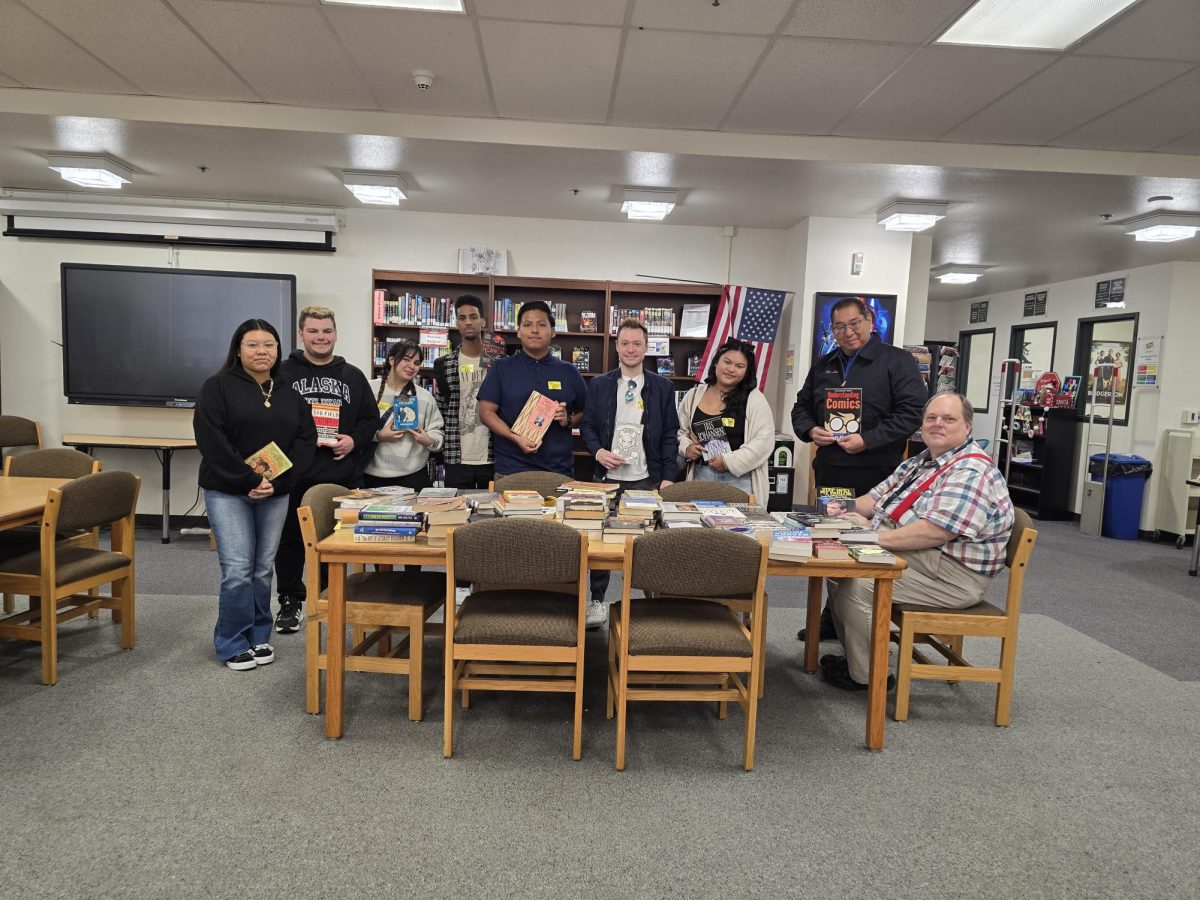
{"points": [[441, 512], [859, 536], [349, 504], [585, 511], [723, 517], [830, 550], [791, 545], [675, 513], [617, 528], [520, 503], [639, 504], [871, 554], [481, 503], [387, 523]]}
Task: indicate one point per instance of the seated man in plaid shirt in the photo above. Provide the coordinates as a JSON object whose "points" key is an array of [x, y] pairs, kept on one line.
{"points": [[947, 513]]}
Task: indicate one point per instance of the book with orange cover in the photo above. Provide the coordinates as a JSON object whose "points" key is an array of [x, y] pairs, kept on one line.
{"points": [[269, 462], [533, 421], [830, 550]]}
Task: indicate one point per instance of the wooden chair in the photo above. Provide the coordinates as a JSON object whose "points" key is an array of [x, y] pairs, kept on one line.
{"points": [[944, 629], [58, 572], [378, 605], [18, 432], [519, 629], [684, 491], [678, 643], [54, 462], [545, 483]]}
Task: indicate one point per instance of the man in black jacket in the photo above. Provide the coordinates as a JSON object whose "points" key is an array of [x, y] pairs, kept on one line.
{"points": [[630, 426], [893, 396], [337, 392]]}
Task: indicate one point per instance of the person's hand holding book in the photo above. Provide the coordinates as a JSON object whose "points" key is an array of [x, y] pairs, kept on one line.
{"points": [[608, 459], [265, 489]]}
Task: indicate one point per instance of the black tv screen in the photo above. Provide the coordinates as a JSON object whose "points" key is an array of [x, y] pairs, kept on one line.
{"points": [[150, 337]]}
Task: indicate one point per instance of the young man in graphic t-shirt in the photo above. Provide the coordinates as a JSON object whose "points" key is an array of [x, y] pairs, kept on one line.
{"points": [[457, 376]]}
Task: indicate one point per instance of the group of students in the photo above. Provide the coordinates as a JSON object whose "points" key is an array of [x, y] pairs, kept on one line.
{"points": [[946, 511]]}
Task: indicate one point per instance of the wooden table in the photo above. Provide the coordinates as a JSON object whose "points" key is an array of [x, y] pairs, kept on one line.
{"points": [[165, 446], [23, 500], [339, 549]]}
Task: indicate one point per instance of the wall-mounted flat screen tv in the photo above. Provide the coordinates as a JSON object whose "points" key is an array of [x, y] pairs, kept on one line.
{"points": [[150, 337]]}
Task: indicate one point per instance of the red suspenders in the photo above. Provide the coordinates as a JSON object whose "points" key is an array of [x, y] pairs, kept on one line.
{"points": [[909, 500]]}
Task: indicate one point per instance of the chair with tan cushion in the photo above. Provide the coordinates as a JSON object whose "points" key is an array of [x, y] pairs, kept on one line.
{"points": [[944, 630], [678, 644], [519, 630], [545, 483], [685, 491], [18, 432], [57, 573], [379, 605]]}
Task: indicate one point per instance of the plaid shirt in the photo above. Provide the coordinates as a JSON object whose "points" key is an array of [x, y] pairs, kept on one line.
{"points": [[969, 499], [449, 402]]}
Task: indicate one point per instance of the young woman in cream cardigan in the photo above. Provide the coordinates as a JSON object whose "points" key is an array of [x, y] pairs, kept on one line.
{"points": [[402, 457], [728, 407]]}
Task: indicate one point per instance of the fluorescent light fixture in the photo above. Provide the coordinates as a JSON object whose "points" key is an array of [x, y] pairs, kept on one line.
{"points": [[957, 273], [1163, 227], [375, 188], [90, 171], [454, 6], [651, 206], [1032, 24], [910, 215]]}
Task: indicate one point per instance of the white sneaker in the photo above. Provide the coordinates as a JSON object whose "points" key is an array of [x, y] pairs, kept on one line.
{"points": [[461, 594], [597, 613]]}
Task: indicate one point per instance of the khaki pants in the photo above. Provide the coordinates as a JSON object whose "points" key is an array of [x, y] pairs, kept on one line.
{"points": [[931, 579]]}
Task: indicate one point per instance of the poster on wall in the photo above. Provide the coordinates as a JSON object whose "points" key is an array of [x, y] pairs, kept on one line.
{"points": [[882, 307], [1149, 356], [1110, 384], [979, 312]]}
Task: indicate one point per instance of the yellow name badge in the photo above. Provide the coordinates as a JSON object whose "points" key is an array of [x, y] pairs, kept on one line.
{"points": [[384, 406], [728, 423], [467, 369], [554, 385], [641, 405]]}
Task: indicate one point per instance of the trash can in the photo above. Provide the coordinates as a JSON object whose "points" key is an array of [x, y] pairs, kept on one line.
{"points": [[1127, 476]]}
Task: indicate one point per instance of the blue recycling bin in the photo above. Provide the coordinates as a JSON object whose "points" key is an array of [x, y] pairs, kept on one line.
{"points": [[1127, 475]]}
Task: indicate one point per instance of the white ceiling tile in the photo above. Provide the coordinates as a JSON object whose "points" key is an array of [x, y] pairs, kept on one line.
{"points": [[1154, 29], [438, 43], [550, 72], [1188, 144], [571, 12], [937, 88], [674, 79], [5, 81], [35, 54], [161, 55], [792, 92], [759, 17], [1069, 93], [287, 54], [1166, 113], [907, 21]]}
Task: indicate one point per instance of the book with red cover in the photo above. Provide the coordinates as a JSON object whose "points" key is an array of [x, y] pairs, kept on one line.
{"points": [[533, 421], [830, 550]]}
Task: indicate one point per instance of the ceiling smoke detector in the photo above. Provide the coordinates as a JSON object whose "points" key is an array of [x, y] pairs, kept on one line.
{"points": [[423, 80]]}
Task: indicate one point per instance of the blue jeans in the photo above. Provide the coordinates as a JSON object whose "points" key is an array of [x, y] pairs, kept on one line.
{"points": [[708, 473], [247, 534]]}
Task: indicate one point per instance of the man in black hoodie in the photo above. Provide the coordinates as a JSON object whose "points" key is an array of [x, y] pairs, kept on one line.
{"points": [[347, 417]]}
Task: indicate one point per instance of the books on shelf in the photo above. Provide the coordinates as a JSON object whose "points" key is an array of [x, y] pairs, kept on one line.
{"points": [[588, 320], [404, 413], [581, 358], [657, 319], [270, 462], [412, 309], [492, 349], [693, 365], [666, 365], [325, 417], [533, 421]]}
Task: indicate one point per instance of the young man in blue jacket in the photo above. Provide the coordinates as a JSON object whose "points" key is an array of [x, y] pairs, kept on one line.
{"points": [[629, 426]]}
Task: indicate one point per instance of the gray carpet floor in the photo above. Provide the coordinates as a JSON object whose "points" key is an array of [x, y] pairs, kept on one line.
{"points": [[157, 772]]}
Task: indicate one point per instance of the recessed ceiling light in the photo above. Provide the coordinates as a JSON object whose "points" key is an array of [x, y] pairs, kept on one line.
{"points": [[375, 188], [910, 215], [1031, 24], [1163, 227], [653, 206], [90, 171], [452, 6], [957, 273]]}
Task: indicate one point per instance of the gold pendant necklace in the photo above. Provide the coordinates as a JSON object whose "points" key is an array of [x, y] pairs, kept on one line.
{"points": [[267, 393]]}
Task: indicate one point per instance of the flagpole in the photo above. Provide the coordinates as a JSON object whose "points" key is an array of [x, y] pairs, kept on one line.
{"points": [[681, 280]]}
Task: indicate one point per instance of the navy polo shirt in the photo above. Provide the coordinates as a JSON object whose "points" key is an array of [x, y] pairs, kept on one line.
{"points": [[508, 384]]}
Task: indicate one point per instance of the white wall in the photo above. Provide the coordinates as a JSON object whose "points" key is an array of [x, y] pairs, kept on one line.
{"points": [[31, 364], [1167, 299]]}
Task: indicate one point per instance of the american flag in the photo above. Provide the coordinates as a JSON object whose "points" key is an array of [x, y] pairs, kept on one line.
{"points": [[748, 314]]}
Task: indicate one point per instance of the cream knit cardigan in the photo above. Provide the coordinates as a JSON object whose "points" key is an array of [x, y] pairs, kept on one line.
{"points": [[750, 458]]}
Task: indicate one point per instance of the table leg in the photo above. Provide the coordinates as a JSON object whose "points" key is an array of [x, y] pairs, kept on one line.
{"points": [[881, 624], [335, 650], [166, 494], [812, 642]]}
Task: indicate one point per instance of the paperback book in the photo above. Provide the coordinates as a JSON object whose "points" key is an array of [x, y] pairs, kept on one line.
{"points": [[843, 411], [270, 462], [404, 413], [325, 417], [533, 421]]}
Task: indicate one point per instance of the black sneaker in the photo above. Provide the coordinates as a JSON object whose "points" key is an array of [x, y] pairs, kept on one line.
{"points": [[264, 654], [291, 614], [243, 661]]}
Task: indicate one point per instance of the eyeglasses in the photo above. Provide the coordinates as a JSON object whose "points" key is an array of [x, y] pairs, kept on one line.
{"points": [[629, 389], [853, 324], [255, 345]]}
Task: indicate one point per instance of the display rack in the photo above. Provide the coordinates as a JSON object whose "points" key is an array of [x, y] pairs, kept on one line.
{"points": [[1178, 500]]}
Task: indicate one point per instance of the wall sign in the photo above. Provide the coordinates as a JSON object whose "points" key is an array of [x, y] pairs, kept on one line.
{"points": [[1110, 293], [979, 312], [1035, 303]]}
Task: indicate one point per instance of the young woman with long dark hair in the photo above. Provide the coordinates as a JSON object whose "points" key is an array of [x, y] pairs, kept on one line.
{"points": [[240, 410], [402, 456], [726, 427]]}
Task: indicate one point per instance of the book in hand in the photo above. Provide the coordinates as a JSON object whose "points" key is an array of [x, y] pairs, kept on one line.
{"points": [[270, 462], [843, 411], [872, 554], [405, 413], [533, 421], [326, 417]]}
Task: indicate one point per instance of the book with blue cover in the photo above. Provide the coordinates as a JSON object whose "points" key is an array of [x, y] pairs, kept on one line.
{"points": [[405, 413]]}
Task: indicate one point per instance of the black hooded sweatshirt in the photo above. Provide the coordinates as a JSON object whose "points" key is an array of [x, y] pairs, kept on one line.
{"points": [[341, 384]]}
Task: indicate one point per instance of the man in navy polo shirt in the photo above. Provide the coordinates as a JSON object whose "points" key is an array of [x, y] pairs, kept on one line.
{"points": [[508, 385]]}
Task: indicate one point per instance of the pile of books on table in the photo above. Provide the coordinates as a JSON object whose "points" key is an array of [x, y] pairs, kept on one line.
{"points": [[387, 522], [681, 515], [790, 545], [442, 509], [349, 504], [644, 505], [584, 510], [617, 528], [871, 554], [482, 503], [521, 503]]}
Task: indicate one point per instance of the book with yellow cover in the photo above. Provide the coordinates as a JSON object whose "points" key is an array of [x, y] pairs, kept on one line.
{"points": [[533, 421], [269, 462]]}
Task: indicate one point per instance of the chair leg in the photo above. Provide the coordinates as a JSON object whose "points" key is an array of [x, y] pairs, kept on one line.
{"points": [[124, 589], [577, 726], [762, 656], [904, 670], [385, 641], [955, 643], [10, 604], [416, 659], [609, 697], [95, 613], [752, 695], [312, 672], [448, 707], [622, 710], [1008, 664], [49, 625]]}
